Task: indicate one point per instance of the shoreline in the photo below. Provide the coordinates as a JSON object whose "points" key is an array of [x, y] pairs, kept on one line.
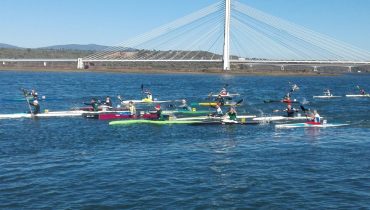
{"points": [[161, 71]]}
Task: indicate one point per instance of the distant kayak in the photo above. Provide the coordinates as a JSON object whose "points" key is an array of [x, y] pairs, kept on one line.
{"points": [[328, 97], [185, 112], [309, 124], [358, 96]]}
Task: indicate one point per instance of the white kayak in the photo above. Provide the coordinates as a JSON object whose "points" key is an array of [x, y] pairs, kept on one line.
{"points": [[331, 96], [143, 101], [48, 114], [354, 96], [309, 125], [227, 95], [279, 118]]}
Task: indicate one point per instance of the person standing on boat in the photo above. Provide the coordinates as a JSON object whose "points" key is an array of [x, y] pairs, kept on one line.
{"points": [[132, 108], [327, 92], [94, 104], [158, 111], [36, 106], [232, 113], [108, 102], [220, 100]]}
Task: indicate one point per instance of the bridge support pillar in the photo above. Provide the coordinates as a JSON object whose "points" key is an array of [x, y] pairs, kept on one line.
{"points": [[315, 68], [80, 63], [227, 35], [350, 69], [282, 67]]}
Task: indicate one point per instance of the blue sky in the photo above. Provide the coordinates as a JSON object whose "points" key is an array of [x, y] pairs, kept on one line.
{"points": [[37, 23]]}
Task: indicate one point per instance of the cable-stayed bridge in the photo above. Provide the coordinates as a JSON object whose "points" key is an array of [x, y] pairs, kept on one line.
{"points": [[230, 32]]}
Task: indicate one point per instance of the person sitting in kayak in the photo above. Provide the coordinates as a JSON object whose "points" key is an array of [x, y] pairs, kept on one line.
{"points": [[132, 108], [315, 117], [290, 111], [223, 92], [232, 113], [158, 112], [108, 102], [220, 100], [94, 103], [149, 96], [362, 92], [36, 106], [184, 105]]}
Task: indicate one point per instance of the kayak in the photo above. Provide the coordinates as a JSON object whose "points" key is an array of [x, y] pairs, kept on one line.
{"points": [[185, 112], [48, 114], [279, 118], [227, 95], [354, 96], [108, 115], [310, 125], [183, 122], [215, 103], [281, 101], [143, 101], [241, 117], [331, 96]]}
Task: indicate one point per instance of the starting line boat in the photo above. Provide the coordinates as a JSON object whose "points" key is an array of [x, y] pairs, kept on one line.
{"points": [[47, 114], [310, 125]]}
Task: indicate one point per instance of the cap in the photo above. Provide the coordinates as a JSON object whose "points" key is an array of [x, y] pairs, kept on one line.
{"points": [[158, 106]]}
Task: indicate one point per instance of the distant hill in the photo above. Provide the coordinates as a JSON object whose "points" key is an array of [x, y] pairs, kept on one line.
{"points": [[8, 46], [88, 47]]}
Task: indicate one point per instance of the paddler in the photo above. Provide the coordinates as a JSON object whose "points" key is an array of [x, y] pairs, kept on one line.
{"points": [[94, 104], [223, 92], [184, 105], [315, 117], [290, 111], [132, 108], [149, 96], [108, 102], [362, 92], [158, 111], [36, 106], [232, 113], [220, 100]]}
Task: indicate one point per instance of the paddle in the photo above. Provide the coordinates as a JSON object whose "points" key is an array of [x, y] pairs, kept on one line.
{"points": [[28, 101], [305, 111]]}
